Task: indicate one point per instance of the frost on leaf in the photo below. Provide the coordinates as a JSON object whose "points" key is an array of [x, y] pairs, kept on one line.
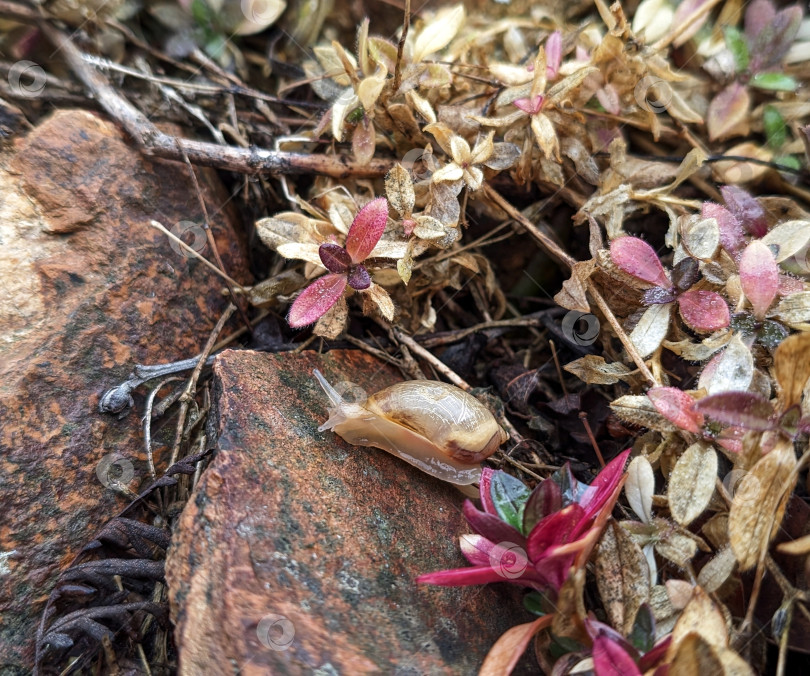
{"points": [[636, 257], [759, 277]]}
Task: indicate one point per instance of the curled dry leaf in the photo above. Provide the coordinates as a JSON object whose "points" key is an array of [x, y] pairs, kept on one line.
{"points": [[759, 504], [622, 576], [691, 483], [639, 410], [594, 370]]}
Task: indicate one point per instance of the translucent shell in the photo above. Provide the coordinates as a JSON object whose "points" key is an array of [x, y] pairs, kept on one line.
{"points": [[435, 427]]}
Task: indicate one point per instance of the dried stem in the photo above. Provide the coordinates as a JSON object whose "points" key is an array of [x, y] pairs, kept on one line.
{"points": [[406, 24]]}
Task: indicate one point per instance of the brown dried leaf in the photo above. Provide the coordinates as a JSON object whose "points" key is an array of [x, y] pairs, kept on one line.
{"points": [[622, 576], [438, 33], [717, 570], [595, 370], [570, 608], [703, 616], [331, 325], [759, 504], [574, 292], [364, 142], [377, 297], [696, 657], [639, 410], [651, 329], [675, 547], [691, 483], [792, 367], [794, 310], [399, 190]]}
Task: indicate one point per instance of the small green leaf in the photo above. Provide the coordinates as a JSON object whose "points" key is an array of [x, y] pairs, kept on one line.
{"points": [[562, 645], [642, 635], [739, 49], [509, 496], [536, 603], [775, 128], [201, 12], [788, 161], [774, 82]]}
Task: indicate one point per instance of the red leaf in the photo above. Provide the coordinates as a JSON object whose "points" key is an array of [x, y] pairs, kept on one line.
{"points": [[358, 278], [745, 409], [636, 257], [704, 310], [316, 300], [610, 659], [598, 493], [460, 577], [728, 112], [490, 526], [732, 237], [677, 407], [367, 228], [746, 209], [555, 529], [759, 277], [485, 488]]}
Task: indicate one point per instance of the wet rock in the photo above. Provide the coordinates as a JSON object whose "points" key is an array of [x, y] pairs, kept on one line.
{"points": [[87, 289], [297, 553]]}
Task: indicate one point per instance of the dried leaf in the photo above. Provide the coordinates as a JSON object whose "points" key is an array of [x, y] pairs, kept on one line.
{"points": [[505, 653], [787, 239], [791, 367], [622, 576], [651, 329], [438, 33], [640, 487], [731, 370], [381, 300], [399, 190], [639, 410], [759, 277], [702, 616], [794, 310], [728, 113], [332, 324], [759, 504], [595, 370], [717, 570], [574, 292], [364, 142], [691, 483]]}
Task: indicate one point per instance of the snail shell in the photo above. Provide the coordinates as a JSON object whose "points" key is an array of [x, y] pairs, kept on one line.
{"points": [[435, 427]]}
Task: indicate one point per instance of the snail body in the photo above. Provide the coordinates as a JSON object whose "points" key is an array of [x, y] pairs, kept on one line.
{"points": [[438, 428]]}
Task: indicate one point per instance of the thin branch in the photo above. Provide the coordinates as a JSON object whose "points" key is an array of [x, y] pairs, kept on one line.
{"points": [[401, 46]]}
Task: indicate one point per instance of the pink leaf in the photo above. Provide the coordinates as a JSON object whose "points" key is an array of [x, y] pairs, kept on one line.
{"points": [[677, 407], [610, 659], [604, 485], [704, 310], [553, 54], [684, 11], [485, 487], [334, 257], [728, 112], [367, 228], [758, 15], [460, 577], [732, 237], [315, 300], [491, 526], [530, 106], [744, 409], [636, 257], [746, 209], [759, 277]]}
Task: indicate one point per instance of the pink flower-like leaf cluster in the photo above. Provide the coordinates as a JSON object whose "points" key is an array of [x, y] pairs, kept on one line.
{"points": [[532, 538], [702, 310], [345, 265]]}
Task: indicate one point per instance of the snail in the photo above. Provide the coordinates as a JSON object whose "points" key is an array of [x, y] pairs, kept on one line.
{"points": [[438, 428]]}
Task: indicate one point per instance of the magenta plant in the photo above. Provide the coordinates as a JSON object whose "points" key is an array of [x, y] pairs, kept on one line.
{"points": [[532, 538], [345, 265], [702, 310]]}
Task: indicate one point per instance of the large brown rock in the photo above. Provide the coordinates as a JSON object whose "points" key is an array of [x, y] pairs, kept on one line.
{"points": [[297, 553], [87, 289]]}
